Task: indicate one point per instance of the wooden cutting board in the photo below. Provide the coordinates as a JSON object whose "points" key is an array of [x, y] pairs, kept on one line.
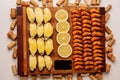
{"points": [[22, 44]]}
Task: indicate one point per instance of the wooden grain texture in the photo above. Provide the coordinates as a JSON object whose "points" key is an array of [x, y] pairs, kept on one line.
{"points": [[102, 10], [22, 42], [23, 51], [25, 48]]}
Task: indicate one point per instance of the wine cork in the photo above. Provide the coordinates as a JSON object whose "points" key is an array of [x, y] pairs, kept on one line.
{"points": [[11, 35], [25, 3], [108, 30], [99, 76], [108, 49], [79, 77], [108, 66], [14, 69], [92, 77], [70, 76], [108, 8], [111, 42], [34, 3], [18, 2], [54, 78], [11, 45], [107, 17], [111, 57], [34, 78], [13, 24], [65, 3], [63, 78], [93, 2], [44, 2], [109, 36], [87, 2], [77, 2], [60, 2], [98, 2], [13, 13], [14, 53]]}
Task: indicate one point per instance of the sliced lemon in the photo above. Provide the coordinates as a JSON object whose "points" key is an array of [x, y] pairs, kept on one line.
{"points": [[64, 50], [63, 26], [61, 15], [63, 38]]}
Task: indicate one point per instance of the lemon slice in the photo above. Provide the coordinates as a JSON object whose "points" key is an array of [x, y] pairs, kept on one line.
{"points": [[63, 26], [64, 50], [63, 38], [61, 15]]}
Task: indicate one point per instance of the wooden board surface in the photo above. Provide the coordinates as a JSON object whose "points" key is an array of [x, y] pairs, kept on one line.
{"points": [[22, 44], [22, 50], [20, 40]]}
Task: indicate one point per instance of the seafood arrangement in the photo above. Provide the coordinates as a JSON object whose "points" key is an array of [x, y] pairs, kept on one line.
{"points": [[88, 33], [40, 32], [61, 40], [75, 36]]}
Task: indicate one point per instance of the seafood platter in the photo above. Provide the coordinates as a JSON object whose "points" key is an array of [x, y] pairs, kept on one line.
{"points": [[60, 40]]}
